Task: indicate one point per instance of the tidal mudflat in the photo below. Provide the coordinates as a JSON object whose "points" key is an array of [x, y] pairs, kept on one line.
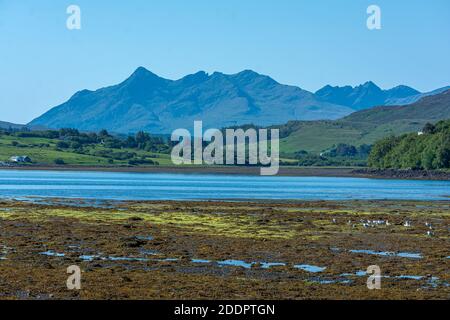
{"points": [[224, 250]]}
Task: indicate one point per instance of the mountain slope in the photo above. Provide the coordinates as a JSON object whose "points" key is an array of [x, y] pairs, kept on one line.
{"points": [[415, 98], [9, 125], [370, 95], [364, 127], [434, 108], [147, 102]]}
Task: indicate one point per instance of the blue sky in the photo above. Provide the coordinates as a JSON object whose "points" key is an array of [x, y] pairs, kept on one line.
{"points": [[298, 42]]}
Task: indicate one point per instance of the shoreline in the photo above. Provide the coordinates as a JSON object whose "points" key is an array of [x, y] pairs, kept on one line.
{"points": [[83, 203], [251, 171], [344, 172]]}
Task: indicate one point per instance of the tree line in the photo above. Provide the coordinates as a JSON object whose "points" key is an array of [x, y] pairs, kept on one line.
{"points": [[426, 150]]}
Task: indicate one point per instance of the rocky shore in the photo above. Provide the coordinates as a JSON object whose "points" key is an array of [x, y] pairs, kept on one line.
{"points": [[403, 174], [290, 171], [175, 250]]}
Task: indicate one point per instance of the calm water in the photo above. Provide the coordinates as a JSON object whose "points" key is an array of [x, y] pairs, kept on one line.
{"points": [[139, 186]]}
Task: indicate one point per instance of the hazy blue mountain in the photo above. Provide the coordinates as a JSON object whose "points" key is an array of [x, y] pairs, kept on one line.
{"points": [[370, 95], [414, 98], [15, 126], [365, 96], [147, 102], [9, 125]]}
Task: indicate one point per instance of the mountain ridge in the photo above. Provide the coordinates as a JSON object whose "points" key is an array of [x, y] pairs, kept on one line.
{"points": [[148, 102], [145, 101], [369, 95]]}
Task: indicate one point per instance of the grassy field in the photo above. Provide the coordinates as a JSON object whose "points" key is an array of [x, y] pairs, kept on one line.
{"points": [[43, 151], [317, 136]]}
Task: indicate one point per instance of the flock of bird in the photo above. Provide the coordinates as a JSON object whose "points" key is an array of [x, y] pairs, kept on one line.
{"points": [[374, 223], [427, 224]]}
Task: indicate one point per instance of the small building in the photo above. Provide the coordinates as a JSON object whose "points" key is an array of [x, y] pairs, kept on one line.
{"points": [[420, 133], [20, 159]]}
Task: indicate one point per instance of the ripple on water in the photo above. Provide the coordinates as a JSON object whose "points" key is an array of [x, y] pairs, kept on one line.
{"points": [[200, 261], [309, 268], [168, 260], [359, 273], [127, 259], [146, 238], [51, 253], [409, 277], [409, 255], [235, 263], [88, 257], [268, 265], [329, 281]]}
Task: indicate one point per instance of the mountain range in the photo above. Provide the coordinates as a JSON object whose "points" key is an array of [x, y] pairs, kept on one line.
{"points": [[369, 95], [151, 103]]}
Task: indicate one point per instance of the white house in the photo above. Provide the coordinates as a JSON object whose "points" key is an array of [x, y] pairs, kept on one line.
{"points": [[20, 159]]}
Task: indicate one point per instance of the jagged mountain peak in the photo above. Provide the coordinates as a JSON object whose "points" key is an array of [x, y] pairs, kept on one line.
{"points": [[142, 71], [143, 75], [365, 95], [248, 73], [148, 102], [145, 101], [370, 85], [402, 91], [195, 78]]}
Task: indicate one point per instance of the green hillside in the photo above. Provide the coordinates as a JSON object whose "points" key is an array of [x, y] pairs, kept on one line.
{"points": [[56, 150], [364, 127], [429, 150]]}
